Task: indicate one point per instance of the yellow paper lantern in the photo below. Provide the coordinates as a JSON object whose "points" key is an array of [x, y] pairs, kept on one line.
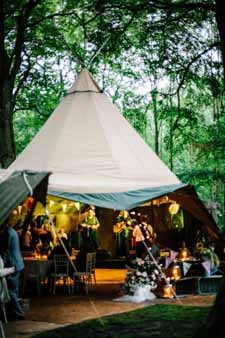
{"points": [[174, 208]]}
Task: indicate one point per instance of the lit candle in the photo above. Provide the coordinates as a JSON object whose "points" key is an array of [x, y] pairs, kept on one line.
{"points": [[184, 254], [176, 272]]}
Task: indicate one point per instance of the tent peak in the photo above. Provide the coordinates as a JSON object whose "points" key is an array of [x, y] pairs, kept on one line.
{"points": [[84, 83]]}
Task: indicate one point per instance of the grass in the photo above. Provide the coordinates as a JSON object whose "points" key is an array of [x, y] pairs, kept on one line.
{"points": [[158, 321]]}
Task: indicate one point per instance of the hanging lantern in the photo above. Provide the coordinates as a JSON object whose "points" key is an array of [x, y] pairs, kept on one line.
{"points": [[174, 208]]}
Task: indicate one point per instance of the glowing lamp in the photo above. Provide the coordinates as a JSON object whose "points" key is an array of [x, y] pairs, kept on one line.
{"points": [[174, 208], [168, 291], [14, 212], [184, 254], [176, 273]]}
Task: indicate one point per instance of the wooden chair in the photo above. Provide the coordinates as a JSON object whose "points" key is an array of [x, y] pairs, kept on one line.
{"points": [[89, 273], [61, 272]]}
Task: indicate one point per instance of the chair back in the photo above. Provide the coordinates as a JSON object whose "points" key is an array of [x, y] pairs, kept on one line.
{"points": [[61, 264], [90, 261]]}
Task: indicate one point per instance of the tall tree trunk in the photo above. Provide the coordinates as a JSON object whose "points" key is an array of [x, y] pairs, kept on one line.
{"points": [[155, 113], [171, 143], [7, 143]]}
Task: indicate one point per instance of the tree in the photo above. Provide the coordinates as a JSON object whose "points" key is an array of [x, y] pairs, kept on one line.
{"points": [[24, 44]]}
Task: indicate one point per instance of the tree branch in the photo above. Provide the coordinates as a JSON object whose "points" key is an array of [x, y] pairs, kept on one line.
{"points": [[188, 66], [34, 107], [119, 34], [16, 57], [52, 16], [22, 80], [164, 5]]}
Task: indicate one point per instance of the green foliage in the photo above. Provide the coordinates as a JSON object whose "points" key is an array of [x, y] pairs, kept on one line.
{"points": [[158, 61]]}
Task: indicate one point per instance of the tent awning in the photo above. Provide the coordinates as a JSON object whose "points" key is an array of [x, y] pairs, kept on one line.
{"points": [[184, 194], [121, 200], [20, 184]]}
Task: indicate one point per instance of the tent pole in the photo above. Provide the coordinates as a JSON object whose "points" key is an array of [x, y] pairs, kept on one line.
{"points": [[59, 238]]}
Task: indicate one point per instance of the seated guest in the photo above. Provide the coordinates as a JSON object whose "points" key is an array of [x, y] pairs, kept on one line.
{"points": [[58, 248], [26, 240], [46, 238], [35, 238], [88, 246]]}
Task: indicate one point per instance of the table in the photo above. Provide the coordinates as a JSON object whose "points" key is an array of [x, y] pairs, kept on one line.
{"points": [[36, 269]]}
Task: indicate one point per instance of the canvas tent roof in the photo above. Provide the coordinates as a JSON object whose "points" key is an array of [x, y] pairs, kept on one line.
{"points": [[16, 187], [90, 148], [95, 156]]}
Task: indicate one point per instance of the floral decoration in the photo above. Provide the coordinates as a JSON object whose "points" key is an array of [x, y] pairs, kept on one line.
{"points": [[142, 272]]}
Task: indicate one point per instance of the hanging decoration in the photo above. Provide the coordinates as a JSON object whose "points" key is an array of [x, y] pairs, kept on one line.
{"points": [[174, 208], [177, 220], [51, 203], [29, 202], [64, 207]]}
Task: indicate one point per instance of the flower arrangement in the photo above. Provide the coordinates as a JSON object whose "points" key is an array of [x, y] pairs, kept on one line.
{"points": [[142, 272]]}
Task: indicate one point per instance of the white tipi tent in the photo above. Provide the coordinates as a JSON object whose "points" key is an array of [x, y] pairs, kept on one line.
{"points": [[93, 152], [96, 157]]}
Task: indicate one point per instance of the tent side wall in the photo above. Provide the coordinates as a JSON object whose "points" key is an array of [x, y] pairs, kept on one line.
{"points": [[189, 200], [14, 189]]}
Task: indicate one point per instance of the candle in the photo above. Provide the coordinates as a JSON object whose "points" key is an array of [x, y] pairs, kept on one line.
{"points": [[176, 274], [184, 254]]}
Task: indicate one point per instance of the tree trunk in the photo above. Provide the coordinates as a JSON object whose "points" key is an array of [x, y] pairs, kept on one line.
{"points": [[7, 143], [171, 143], [155, 113]]}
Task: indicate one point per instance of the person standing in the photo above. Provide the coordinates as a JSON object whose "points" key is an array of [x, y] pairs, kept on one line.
{"points": [[139, 239], [91, 225], [11, 255]]}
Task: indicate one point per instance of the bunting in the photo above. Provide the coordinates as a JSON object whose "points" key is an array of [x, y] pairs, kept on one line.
{"points": [[207, 266], [186, 267]]}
